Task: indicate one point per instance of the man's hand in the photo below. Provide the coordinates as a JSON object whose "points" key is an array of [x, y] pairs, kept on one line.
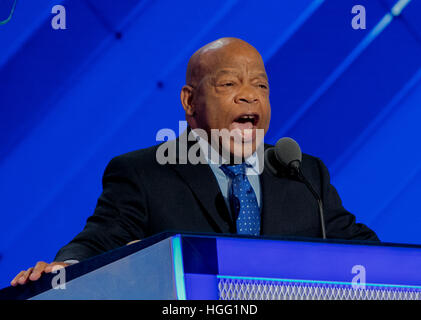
{"points": [[131, 242], [35, 273]]}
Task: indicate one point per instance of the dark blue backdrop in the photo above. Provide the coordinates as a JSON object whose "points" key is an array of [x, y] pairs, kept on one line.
{"points": [[72, 99]]}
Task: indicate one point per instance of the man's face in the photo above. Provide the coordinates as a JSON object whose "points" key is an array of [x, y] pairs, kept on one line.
{"points": [[233, 94]]}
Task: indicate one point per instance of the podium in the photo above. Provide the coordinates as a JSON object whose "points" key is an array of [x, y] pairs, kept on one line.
{"points": [[209, 267]]}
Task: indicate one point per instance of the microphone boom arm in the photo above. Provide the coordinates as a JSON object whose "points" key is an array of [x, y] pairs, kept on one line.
{"points": [[319, 200]]}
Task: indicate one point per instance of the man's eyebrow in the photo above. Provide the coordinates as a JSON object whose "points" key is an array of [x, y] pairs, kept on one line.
{"points": [[235, 73], [224, 72], [261, 75]]}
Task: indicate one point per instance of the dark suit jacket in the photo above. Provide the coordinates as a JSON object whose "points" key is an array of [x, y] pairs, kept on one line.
{"points": [[141, 198]]}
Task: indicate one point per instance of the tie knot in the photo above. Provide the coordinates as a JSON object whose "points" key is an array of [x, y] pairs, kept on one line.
{"points": [[235, 170]]}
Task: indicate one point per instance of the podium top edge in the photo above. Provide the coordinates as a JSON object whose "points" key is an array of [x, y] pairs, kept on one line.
{"points": [[284, 238]]}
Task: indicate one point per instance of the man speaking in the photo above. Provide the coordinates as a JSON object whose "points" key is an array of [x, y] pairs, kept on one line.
{"points": [[226, 90]]}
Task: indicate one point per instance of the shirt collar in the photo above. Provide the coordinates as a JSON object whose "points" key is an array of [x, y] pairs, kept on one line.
{"points": [[215, 159]]}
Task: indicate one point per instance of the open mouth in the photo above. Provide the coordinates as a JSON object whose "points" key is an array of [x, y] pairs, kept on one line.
{"points": [[244, 124], [249, 120]]}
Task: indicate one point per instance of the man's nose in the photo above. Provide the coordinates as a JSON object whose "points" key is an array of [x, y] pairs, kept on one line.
{"points": [[247, 94]]}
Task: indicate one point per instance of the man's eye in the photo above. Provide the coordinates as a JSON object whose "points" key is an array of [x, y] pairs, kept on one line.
{"points": [[228, 84], [263, 86]]}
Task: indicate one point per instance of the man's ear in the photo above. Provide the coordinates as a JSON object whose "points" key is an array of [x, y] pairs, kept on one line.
{"points": [[186, 100]]}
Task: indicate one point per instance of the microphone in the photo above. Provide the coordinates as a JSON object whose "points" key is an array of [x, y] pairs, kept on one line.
{"points": [[288, 154]]}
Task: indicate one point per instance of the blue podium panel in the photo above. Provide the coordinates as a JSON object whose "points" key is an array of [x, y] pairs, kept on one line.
{"points": [[198, 266], [282, 269], [146, 274], [143, 270]]}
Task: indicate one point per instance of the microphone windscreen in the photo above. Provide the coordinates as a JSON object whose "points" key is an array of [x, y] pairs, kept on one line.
{"points": [[287, 151]]}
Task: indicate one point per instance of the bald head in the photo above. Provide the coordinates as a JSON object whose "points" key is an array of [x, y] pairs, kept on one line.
{"points": [[204, 60], [226, 81]]}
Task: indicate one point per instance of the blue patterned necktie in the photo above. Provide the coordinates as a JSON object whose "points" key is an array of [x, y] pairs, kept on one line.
{"points": [[242, 199]]}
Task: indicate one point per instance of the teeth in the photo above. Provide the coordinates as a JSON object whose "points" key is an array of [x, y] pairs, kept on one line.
{"points": [[248, 118]]}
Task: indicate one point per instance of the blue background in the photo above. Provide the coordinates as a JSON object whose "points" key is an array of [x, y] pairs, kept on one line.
{"points": [[72, 99]]}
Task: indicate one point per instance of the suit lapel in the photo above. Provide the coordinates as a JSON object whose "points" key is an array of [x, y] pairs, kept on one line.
{"points": [[274, 191], [274, 194], [204, 186]]}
